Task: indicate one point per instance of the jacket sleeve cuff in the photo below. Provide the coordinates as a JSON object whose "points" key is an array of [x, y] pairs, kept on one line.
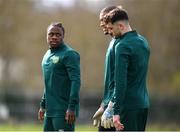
{"points": [[104, 103], [72, 107], [42, 104], [117, 111]]}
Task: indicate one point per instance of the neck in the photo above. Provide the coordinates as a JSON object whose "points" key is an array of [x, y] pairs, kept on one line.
{"points": [[126, 29]]}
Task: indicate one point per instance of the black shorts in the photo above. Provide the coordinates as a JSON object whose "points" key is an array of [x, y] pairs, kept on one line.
{"points": [[134, 120]]}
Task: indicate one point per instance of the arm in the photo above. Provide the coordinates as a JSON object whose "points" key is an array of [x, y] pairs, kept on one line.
{"points": [[108, 76], [42, 108], [105, 100], [43, 101], [122, 53], [72, 64]]}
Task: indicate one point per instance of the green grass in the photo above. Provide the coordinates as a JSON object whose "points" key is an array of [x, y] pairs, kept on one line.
{"points": [[163, 127], [38, 127], [20, 127]]}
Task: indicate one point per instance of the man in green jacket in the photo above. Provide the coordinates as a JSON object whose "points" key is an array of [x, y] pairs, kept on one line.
{"points": [[103, 116], [131, 101], [59, 106]]}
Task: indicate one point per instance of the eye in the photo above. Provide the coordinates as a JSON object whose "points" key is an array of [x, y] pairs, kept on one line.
{"points": [[58, 34], [50, 34]]}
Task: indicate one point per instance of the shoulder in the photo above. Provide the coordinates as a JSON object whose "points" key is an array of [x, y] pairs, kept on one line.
{"points": [[122, 43], [123, 47], [113, 40], [47, 53], [139, 42], [137, 38], [70, 52]]}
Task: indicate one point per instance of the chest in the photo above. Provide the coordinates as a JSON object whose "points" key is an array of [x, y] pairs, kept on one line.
{"points": [[53, 63]]}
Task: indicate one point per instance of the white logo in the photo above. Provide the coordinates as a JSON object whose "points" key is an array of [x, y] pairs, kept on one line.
{"points": [[55, 59]]}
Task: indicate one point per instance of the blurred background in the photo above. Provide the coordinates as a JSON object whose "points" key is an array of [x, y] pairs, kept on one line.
{"points": [[23, 26]]}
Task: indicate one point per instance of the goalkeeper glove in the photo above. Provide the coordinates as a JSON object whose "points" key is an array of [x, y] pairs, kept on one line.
{"points": [[107, 117], [97, 116]]}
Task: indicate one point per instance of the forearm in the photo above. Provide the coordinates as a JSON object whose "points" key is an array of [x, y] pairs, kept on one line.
{"points": [[108, 93], [74, 95], [105, 99], [121, 85], [43, 102], [112, 97]]}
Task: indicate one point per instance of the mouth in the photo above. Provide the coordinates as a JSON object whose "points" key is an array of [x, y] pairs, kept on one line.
{"points": [[106, 33], [53, 42]]}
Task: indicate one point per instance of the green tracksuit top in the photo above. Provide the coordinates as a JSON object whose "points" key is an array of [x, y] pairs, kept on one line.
{"points": [[131, 64], [109, 73], [61, 72]]}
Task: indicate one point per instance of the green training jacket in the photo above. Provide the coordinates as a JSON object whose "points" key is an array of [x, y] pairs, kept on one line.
{"points": [[61, 72], [131, 64]]}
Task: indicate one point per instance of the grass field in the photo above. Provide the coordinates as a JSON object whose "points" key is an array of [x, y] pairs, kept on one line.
{"points": [[38, 127]]}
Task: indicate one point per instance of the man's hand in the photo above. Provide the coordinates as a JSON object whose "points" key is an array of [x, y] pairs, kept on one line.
{"points": [[41, 114], [107, 117], [70, 117], [117, 123], [97, 116]]}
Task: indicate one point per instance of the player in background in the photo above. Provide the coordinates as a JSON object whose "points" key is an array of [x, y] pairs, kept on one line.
{"points": [[131, 100], [59, 106], [103, 116]]}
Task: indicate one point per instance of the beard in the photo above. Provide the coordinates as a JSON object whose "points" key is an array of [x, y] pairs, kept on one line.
{"points": [[106, 33]]}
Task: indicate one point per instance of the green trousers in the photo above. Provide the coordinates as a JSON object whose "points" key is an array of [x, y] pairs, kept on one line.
{"points": [[57, 124], [134, 120]]}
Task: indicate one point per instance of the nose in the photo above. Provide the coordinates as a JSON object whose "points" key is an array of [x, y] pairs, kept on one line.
{"points": [[54, 36]]}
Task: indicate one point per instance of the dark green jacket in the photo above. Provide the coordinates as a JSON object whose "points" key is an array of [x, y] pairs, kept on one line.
{"points": [[61, 72], [131, 65], [109, 73]]}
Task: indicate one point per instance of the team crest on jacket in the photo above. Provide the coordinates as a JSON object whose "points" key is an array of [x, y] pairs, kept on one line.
{"points": [[55, 59]]}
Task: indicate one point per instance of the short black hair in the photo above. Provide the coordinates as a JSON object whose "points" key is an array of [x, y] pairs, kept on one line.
{"points": [[116, 15], [57, 24]]}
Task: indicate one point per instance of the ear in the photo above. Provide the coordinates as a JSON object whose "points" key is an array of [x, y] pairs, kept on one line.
{"points": [[121, 26]]}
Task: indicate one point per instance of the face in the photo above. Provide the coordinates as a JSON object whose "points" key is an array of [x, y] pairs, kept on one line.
{"points": [[55, 36], [103, 25], [114, 29]]}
